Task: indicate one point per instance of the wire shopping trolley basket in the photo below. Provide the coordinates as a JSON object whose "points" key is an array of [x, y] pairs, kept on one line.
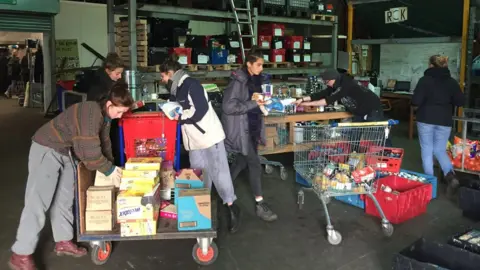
{"points": [[342, 159]]}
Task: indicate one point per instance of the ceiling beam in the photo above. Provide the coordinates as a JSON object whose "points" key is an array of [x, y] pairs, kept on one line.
{"points": [[406, 40]]}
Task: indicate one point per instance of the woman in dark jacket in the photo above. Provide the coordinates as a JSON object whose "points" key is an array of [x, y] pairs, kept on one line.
{"points": [[110, 72], [244, 126], [435, 96]]}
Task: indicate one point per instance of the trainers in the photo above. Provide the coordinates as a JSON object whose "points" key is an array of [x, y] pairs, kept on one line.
{"points": [[70, 249], [264, 212], [21, 262]]}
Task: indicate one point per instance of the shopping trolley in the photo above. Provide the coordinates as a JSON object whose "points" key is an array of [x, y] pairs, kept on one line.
{"points": [[341, 159], [276, 138]]}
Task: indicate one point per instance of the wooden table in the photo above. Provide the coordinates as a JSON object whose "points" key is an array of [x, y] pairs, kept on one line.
{"points": [[291, 119]]}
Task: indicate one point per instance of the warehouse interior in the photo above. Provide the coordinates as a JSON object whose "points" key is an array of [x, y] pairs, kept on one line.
{"points": [[388, 57]]}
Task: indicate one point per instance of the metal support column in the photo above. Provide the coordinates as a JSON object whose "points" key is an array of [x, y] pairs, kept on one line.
{"points": [[350, 36], [469, 58], [335, 43], [463, 56], [132, 30], [110, 26]]}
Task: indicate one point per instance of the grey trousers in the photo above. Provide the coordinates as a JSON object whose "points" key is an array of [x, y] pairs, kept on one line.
{"points": [[50, 186], [252, 162], [213, 161]]}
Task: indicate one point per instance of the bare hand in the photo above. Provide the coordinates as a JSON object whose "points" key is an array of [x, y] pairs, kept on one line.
{"points": [[298, 102]]}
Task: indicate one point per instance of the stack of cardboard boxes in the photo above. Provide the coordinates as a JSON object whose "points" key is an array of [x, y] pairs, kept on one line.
{"points": [[193, 202], [145, 195], [138, 202]]}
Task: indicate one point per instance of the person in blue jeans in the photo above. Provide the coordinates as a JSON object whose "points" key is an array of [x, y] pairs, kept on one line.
{"points": [[435, 95]]}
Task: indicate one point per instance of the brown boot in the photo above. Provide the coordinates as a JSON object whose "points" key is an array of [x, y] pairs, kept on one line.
{"points": [[70, 249], [21, 262]]}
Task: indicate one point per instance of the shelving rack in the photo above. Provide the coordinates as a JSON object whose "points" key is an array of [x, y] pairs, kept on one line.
{"points": [[132, 10]]}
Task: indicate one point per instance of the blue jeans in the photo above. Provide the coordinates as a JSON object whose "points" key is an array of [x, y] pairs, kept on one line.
{"points": [[433, 142]]}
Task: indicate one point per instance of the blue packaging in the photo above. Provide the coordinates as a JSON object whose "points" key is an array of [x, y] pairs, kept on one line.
{"points": [[194, 209]]}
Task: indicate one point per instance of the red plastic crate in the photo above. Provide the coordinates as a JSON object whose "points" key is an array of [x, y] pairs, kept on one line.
{"points": [[265, 42], [272, 29], [383, 163], [277, 56], [184, 55], [153, 127], [294, 42], [407, 200]]}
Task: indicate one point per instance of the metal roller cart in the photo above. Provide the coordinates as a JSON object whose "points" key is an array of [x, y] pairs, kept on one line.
{"points": [[341, 159], [204, 252]]}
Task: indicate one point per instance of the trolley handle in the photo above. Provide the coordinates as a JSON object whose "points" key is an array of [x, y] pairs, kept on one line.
{"points": [[390, 122]]}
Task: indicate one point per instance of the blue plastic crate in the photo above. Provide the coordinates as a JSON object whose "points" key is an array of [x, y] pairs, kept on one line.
{"points": [[430, 179], [353, 200]]}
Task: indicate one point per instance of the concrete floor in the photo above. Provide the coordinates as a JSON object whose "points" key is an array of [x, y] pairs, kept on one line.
{"points": [[296, 241]]}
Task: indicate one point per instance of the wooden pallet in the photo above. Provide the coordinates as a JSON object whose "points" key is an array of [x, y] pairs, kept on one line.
{"points": [[126, 38], [323, 17], [207, 67], [309, 64], [124, 23], [278, 65]]}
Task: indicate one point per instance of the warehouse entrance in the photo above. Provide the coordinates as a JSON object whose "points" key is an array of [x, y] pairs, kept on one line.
{"points": [[26, 41]]}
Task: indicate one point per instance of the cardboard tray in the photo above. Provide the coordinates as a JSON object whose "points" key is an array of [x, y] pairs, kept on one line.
{"points": [[167, 228]]}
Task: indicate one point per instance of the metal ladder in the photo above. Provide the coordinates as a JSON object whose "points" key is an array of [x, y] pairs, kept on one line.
{"points": [[247, 11]]}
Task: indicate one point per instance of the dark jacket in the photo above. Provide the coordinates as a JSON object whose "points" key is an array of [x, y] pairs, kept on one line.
{"points": [[235, 107], [435, 95], [100, 85], [356, 98], [14, 68]]}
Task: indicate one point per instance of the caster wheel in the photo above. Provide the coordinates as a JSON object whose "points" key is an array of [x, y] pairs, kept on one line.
{"points": [[100, 257], [206, 259], [283, 174], [300, 199], [268, 169], [387, 229], [334, 238]]}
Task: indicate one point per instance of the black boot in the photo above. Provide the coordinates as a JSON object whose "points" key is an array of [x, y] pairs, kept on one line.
{"points": [[452, 184], [233, 218]]}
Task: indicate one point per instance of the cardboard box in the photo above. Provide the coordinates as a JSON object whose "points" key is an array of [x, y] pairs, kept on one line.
{"points": [[138, 228], [101, 180], [168, 184], [147, 174], [168, 210], [144, 164], [133, 205], [99, 221], [100, 198], [189, 178], [194, 209], [139, 184]]}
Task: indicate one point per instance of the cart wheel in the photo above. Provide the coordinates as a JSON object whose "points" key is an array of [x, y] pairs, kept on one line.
{"points": [[334, 238], [268, 169], [100, 257], [327, 200], [207, 259], [387, 229], [283, 173]]}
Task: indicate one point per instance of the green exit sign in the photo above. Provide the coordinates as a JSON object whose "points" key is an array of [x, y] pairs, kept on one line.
{"points": [[8, 2]]}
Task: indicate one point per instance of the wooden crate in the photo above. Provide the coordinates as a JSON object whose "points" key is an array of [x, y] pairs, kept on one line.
{"points": [[122, 41], [323, 17]]}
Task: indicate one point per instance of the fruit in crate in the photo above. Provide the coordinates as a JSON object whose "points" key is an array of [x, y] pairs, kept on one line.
{"points": [[150, 147]]}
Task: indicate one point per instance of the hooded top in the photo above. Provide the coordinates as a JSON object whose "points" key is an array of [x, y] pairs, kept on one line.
{"points": [[435, 95]]}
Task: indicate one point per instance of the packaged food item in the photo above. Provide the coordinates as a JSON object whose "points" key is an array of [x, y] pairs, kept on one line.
{"points": [[364, 175], [144, 163]]}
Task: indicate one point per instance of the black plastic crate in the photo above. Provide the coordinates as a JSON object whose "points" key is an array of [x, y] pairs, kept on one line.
{"points": [[156, 56], [469, 202], [273, 7], [200, 56], [428, 255], [298, 8], [469, 240]]}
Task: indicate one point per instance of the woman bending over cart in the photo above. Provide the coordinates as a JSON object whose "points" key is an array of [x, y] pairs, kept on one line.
{"points": [[84, 128], [244, 126], [202, 134]]}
